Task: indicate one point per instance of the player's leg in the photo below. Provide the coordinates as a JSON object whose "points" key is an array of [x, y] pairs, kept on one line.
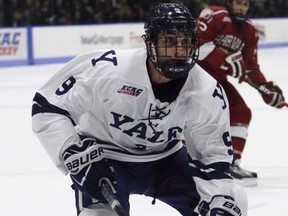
{"points": [[132, 178], [88, 206], [240, 117], [174, 184]]}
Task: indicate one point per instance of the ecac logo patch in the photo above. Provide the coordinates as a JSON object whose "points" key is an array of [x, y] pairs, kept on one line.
{"points": [[130, 90]]}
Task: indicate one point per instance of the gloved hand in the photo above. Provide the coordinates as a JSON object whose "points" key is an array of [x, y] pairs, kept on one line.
{"points": [[88, 167], [219, 205], [234, 66], [274, 96]]}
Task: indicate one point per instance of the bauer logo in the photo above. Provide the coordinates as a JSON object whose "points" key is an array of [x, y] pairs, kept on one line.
{"points": [[130, 90], [77, 162]]}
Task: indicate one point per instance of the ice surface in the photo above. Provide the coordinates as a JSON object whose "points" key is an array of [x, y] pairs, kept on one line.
{"points": [[32, 186]]}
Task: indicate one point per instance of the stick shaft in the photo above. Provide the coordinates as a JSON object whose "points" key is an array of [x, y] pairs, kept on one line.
{"points": [[112, 200]]}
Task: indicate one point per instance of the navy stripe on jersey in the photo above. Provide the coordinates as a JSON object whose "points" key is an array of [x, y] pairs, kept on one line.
{"points": [[118, 149], [41, 105], [213, 171], [135, 155]]}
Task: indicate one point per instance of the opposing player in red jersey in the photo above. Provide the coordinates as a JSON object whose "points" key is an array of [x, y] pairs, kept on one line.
{"points": [[228, 46]]}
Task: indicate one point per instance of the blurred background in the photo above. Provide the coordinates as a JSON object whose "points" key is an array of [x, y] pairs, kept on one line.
{"points": [[69, 12]]}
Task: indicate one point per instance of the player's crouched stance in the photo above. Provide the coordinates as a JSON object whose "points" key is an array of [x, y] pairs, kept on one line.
{"points": [[88, 169], [115, 120]]}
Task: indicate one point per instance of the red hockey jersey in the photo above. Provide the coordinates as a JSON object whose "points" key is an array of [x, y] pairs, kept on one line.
{"points": [[219, 37]]}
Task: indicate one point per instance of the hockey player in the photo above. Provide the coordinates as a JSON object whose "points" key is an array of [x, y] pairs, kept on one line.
{"points": [[228, 47], [119, 116]]}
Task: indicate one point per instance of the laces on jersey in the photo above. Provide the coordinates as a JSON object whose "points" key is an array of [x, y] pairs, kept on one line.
{"points": [[156, 114]]}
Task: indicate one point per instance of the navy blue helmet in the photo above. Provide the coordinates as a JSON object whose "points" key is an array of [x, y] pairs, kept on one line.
{"points": [[171, 19]]}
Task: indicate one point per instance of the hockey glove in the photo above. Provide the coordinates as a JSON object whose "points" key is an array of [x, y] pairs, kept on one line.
{"points": [[219, 206], [272, 95], [234, 66], [88, 167]]}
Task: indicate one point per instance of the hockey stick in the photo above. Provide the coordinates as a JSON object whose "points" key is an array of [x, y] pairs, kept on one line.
{"points": [[111, 199], [262, 89]]}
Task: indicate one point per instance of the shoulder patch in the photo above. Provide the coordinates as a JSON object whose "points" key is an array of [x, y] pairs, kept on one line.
{"points": [[130, 90]]}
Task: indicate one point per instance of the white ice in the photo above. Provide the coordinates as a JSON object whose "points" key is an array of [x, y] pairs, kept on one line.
{"points": [[32, 186]]}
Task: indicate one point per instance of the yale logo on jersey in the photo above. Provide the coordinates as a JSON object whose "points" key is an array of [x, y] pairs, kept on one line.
{"points": [[130, 90], [141, 130]]}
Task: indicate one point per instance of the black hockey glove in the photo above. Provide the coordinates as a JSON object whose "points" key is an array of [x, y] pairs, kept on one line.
{"points": [[219, 206], [88, 167]]}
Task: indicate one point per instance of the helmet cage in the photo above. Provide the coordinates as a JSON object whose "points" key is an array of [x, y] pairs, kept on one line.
{"points": [[168, 20]]}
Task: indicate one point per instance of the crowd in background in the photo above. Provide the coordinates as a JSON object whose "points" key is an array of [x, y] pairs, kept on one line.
{"points": [[66, 12]]}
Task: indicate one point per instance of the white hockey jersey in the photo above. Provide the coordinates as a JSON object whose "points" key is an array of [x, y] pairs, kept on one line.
{"points": [[107, 94]]}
